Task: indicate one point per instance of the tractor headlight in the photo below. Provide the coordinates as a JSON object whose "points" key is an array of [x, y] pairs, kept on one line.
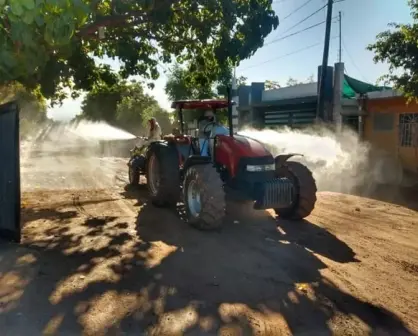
{"points": [[261, 168]]}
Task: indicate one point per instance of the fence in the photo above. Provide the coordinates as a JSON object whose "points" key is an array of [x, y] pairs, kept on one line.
{"points": [[9, 172]]}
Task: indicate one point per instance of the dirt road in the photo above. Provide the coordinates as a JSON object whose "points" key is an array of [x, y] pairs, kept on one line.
{"points": [[98, 259]]}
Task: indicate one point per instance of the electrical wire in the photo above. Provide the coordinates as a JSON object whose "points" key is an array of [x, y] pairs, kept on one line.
{"points": [[293, 34], [296, 10], [283, 56], [352, 61], [279, 1], [286, 55], [305, 19]]}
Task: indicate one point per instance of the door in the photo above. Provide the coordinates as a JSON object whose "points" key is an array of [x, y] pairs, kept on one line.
{"points": [[9, 172]]}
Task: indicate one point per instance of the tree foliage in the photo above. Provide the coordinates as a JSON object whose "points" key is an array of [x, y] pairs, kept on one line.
{"points": [[125, 105], [399, 48], [32, 106], [52, 43], [179, 85], [271, 85]]}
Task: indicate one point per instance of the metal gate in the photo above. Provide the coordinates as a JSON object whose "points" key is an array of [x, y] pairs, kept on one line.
{"points": [[9, 172]]}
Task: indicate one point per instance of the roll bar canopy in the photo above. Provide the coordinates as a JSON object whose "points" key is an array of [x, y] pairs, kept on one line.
{"points": [[200, 104]]}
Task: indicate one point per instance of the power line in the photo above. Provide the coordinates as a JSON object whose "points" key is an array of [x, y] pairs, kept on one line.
{"points": [[306, 18], [279, 1], [286, 55], [352, 61], [295, 33], [297, 9], [283, 56]]}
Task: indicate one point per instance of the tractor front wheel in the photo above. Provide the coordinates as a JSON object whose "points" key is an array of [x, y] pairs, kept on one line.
{"points": [[304, 190], [204, 197]]}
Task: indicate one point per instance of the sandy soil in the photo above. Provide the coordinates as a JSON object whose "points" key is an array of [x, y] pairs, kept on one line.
{"points": [[98, 259]]}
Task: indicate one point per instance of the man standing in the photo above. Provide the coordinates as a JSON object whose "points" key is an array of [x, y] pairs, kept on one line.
{"points": [[154, 134], [154, 130]]}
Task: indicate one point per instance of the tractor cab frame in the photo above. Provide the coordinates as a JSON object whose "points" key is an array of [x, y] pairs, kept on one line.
{"points": [[205, 104]]}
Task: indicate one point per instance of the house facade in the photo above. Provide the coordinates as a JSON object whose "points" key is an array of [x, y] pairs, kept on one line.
{"points": [[296, 106], [391, 124]]}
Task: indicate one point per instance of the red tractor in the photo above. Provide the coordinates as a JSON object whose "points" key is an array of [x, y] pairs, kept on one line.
{"points": [[206, 170]]}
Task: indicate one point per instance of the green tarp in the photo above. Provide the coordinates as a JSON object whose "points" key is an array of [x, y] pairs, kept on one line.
{"points": [[352, 86]]}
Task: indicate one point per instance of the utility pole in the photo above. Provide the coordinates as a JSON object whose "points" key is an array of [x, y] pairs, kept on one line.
{"points": [[321, 99], [340, 48]]}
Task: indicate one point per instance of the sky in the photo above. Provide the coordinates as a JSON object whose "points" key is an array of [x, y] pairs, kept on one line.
{"points": [[298, 56]]}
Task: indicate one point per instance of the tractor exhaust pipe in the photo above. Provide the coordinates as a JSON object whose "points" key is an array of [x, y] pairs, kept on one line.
{"points": [[230, 125]]}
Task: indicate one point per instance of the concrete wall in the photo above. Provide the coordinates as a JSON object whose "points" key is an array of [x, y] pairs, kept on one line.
{"points": [[301, 90]]}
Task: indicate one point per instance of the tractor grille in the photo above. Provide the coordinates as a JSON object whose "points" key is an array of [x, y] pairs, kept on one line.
{"points": [[277, 193]]}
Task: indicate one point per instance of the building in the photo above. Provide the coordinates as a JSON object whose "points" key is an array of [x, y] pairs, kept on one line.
{"points": [[379, 115], [296, 106], [391, 124]]}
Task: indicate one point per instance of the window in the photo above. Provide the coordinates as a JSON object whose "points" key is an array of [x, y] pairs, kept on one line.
{"points": [[383, 121], [408, 129]]}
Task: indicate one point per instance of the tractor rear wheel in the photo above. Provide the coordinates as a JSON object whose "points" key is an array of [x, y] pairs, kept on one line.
{"points": [[133, 175], [204, 197], [304, 190], [163, 175]]}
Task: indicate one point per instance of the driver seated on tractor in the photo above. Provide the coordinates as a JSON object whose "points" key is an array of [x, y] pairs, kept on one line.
{"points": [[204, 121], [207, 129]]}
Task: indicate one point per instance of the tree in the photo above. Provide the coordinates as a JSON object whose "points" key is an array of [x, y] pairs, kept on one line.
{"points": [[271, 85], [179, 87], [101, 102], [224, 80], [398, 47], [31, 103], [53, 43], [292, 82], [179, 84], [310, 79], [135, 109], [125, 105]]}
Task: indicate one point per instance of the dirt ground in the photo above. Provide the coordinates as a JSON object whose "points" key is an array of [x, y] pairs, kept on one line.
{"points": [[97, 259]]}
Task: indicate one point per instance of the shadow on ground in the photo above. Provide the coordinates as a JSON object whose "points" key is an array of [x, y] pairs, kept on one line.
{"points": [[403, 196], [107, 275]]}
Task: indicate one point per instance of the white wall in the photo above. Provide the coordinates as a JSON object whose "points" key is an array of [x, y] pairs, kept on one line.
{"points": [[301, 90]]}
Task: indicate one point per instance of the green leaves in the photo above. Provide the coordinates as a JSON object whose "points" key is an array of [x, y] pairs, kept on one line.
{"points": [[124, 105], [61, 36], [399, 48], [28, 4], [16, 7]]}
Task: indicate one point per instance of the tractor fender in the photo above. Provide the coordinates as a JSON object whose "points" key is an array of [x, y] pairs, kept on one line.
{"points": [[194, 160], [282, 158]]}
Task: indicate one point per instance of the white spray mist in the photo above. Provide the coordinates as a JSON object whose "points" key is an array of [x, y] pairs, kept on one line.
{"points": [[99, 131], [340, 162]]}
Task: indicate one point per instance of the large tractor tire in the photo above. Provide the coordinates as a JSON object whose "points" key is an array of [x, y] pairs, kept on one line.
{"points": [[305, 190], [204, 197], [163, 174], [133, 175]]}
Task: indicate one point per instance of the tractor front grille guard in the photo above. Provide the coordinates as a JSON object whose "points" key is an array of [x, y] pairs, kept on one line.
{"points": [[276, 193]]}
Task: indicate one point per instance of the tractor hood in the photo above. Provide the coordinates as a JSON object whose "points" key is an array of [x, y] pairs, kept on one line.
{"points": [[241, 146]]}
